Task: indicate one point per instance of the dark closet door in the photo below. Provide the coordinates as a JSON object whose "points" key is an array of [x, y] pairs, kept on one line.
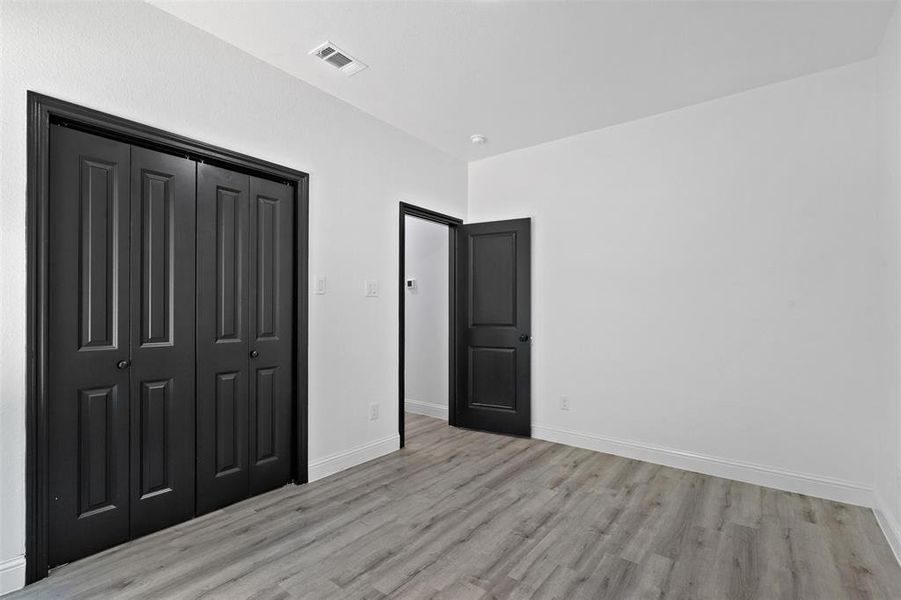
{"points": [[222, 337], [271, 286], [245, 323], [170, 340], [494, 322], [162, 335], [88, 344]]}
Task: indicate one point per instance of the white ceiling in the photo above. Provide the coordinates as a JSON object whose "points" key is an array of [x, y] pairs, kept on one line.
{"points": [[526, 73]]}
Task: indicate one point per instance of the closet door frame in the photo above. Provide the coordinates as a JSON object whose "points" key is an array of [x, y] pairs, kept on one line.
{"points": [[42, 112]]}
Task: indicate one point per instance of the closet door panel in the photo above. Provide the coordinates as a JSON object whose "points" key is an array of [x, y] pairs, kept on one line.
{"points": [[88, 395], [162, 333], [271, 308], [222, 337]]}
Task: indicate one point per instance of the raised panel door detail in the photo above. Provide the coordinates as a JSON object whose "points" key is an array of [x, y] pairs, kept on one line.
{"points": [[265, 416], [267, 267], [88, 296], [157, 224], [493, 318], [98, 254], [228, 265], [227, 422], [222, 318], [492, 285], [270, 296], [162, 325], [156, 404], [492, 373], [96, 446]]}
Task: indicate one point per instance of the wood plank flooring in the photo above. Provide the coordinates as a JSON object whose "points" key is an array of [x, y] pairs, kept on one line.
{"points": [[466, 515]]}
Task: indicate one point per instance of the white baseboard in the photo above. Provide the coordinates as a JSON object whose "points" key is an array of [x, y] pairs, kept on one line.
{"points": [[781, 479], [329, 465], [425, 408], [12, 574], [891, 528]]}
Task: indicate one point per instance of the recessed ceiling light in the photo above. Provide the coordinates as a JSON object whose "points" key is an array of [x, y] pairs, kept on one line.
{"points": [[478, 139]]}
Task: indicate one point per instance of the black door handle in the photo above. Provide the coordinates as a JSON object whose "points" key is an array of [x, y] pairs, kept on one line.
{"points": [[524, 338], [123, 364], [254, 354]]}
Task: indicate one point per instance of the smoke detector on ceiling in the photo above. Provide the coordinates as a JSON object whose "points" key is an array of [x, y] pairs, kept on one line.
{"points": [[338, 58]]}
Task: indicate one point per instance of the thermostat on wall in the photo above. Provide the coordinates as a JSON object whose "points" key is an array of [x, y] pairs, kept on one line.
{"points": [[411, 284]]}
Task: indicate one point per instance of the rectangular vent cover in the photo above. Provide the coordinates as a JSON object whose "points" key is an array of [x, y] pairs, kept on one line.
{"points": [[341, 60]]}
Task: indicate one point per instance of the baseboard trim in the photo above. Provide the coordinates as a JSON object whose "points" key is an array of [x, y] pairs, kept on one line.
{"points": [[891, 528], [12, 574], [781, 479], [333, 463], [425, 408]]}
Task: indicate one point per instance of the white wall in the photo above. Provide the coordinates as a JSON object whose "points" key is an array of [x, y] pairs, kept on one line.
{"points": [[138, 62], [888, 459], [426, 318], [712, 285]]}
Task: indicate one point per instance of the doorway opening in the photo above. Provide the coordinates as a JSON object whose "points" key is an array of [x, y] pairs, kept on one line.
{"points": [[426, 318], [489, 315], [427, 283]]}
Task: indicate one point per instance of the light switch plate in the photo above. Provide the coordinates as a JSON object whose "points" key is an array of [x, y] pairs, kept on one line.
{"points": [[371, 289], [319, 287]]}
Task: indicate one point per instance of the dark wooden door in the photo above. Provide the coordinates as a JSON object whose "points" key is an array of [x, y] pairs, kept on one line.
{"points": [[121, 342], [162, 340], [88, 400], [170, 336], [222, 337], [271, 287], [245, 335], [494, 326]]}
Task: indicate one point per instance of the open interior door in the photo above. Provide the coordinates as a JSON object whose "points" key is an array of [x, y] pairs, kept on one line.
{"points": [[494, 312]]}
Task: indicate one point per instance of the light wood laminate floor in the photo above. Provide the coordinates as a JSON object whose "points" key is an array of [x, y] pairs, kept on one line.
{"points": [[462, 514]]}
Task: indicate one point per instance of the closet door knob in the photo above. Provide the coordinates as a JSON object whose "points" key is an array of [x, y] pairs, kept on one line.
{"points": [[123, 364], [254, 354]]}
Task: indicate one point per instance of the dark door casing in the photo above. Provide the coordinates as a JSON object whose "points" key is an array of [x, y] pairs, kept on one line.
{"points": [[494, 325]]}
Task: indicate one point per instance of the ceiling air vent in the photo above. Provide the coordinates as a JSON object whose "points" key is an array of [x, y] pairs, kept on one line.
{"points": [[341, 60]]}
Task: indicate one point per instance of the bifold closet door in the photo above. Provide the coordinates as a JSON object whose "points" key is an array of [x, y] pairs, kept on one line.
{"points": [[162, 332], [271, 279], [88, 399], [245, 251], [121, 342], [222, 337]]}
